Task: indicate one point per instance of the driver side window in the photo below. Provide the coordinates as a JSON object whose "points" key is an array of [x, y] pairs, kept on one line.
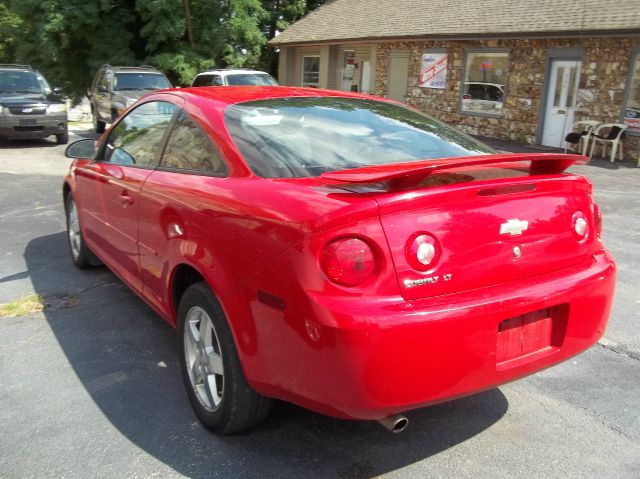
{"points": [[137, 138]]}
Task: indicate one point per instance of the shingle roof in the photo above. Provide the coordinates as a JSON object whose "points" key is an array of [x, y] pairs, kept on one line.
{"points": [[375, 19]]}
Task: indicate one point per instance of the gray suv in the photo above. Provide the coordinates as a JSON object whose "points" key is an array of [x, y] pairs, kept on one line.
{"points": [[29, 108], [114, 89]]}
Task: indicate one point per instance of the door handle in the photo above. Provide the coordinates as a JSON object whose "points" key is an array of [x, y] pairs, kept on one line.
{"points": [[125, 199]]}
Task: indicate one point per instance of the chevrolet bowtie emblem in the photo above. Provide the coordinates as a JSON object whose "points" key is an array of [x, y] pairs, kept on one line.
{"points": [[513, 227]]}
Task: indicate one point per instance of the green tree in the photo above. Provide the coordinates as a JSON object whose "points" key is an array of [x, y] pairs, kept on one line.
{"points": [[69, 39], [280, 15], [9, 28], [244, 37], [168, 42], [217, 33]]}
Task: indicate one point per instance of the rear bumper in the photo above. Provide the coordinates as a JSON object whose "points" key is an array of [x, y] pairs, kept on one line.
{"points": [[32, 126], [369, 359]]}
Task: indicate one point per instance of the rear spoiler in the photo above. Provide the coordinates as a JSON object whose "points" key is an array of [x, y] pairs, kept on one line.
{"points": [[411, 172]]}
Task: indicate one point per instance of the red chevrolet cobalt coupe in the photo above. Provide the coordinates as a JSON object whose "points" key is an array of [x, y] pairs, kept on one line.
{"points": [[338, 251]]}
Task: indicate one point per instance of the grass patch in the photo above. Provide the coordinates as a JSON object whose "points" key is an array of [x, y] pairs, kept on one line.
{"points": [[31, 303]]}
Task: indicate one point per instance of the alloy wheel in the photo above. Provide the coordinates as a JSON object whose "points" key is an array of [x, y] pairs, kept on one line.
{"points": [[75, 237], [203, 359]]}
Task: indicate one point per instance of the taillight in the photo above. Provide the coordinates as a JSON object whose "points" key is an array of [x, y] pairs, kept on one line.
{"points": [[348, 261], [466, 96], [422, 251], [580, 225], [597, 219]]}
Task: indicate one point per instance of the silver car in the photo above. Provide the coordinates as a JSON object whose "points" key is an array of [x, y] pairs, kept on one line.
{"points": [[29, 108]]}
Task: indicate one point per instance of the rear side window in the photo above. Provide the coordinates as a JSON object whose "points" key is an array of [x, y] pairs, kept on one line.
{"points": [[202, 80], [105, 79], [136, 139], [98, 79], [207, 80], [260, 79], [189, 149]]}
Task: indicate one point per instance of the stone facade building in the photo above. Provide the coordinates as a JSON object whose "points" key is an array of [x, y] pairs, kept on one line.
{"points": [[518, 70]]}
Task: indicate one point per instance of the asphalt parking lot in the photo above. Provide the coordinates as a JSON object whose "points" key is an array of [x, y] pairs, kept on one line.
{"points": [[90, 386]]}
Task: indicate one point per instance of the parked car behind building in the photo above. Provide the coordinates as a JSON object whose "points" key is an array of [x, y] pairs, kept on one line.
{"points": [[114, 89], [29, 108]]}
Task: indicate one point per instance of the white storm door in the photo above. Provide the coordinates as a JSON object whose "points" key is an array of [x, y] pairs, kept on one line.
{"points": [[564, 77], [365, 83]]}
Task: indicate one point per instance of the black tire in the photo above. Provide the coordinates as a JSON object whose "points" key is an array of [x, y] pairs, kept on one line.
{"points": [[80, 253], [98, 125], [63, 138], [240, 407]]}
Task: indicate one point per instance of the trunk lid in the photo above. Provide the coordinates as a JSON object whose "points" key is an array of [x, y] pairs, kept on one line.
{"points": [[478, 232], [493, 226]]}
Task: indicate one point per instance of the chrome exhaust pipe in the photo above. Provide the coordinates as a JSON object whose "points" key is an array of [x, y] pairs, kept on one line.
{"points": [[396, 423]]}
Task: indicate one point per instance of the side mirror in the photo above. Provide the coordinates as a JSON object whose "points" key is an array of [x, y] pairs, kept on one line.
{"points": [[85, 148], [57, 91]]}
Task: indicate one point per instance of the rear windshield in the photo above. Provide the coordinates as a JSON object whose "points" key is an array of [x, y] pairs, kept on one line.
{"points": [[298, 137], [140, 81], [16, 81], [262, 79]]}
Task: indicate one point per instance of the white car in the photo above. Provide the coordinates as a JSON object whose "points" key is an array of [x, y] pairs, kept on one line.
{"points": [[229, 77], [481, 96]]}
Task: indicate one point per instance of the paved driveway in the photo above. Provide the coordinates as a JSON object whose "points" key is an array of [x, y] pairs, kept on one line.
{"points": [[90, 387]]}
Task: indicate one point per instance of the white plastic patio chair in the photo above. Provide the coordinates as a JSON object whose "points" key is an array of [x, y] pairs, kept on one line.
{"points": [[584, 128], [615, 131]]}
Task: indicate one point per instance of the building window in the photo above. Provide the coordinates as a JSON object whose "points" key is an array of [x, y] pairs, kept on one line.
{"points": [[631, 110], [485, 78], [311, 71]]}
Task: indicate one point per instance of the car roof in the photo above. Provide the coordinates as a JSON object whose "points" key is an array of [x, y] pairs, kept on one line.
{"points": [[139, 69], [238, 94], [230, 71], [13, 66]]}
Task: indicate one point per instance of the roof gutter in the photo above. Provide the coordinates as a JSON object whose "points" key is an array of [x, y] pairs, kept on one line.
{"points": [[453, 37]]}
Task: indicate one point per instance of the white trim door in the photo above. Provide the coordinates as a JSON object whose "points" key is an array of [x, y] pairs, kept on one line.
{"points": [[398, 75], [562, 92], [365, 82]]}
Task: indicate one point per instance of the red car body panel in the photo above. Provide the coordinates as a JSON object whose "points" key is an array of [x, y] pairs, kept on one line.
{"points": [[381, 347]]}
